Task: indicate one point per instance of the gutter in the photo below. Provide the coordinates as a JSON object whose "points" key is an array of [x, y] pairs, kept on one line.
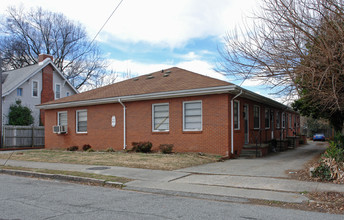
{"points": [[124, 125], [232, 121]]}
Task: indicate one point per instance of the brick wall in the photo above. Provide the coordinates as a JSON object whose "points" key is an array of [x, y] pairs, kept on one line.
{"points": [[47, 93], [214, 138]]}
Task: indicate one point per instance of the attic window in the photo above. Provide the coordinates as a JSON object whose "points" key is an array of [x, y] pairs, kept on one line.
{"points": [[168, 71], [166, 75], [150, 77], [135, 79]]}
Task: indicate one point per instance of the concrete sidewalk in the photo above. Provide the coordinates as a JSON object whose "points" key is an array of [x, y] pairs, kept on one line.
{"points": [[263, 178]]}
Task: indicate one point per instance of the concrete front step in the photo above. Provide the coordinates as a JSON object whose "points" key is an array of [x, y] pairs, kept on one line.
{"points": [[247, 153], [253, 146]]}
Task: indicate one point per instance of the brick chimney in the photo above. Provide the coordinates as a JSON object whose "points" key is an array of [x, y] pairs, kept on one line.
{"points": [[47, 93]]}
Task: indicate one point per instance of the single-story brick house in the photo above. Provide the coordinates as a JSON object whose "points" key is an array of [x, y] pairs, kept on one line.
{"points": [[193, 112]]}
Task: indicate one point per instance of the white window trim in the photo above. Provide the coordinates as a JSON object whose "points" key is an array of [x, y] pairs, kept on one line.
{"points": [[267, 109], [60, 90], [153, 116], [58, 117], [76, 121], [37, 88], [283, 119], [238, 128], [290, 122], [201, 115], [258, 117]]}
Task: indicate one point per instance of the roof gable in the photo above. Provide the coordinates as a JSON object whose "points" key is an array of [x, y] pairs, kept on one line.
{"points": [[15, 78], [173, 79]]}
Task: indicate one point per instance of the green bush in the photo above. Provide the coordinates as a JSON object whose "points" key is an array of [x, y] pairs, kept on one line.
{"points": [[19, 115], [86, 147], [72, 148], [110, 149], [166, 148], [335, 153], [323, 172], [90, 150], [143, 147]]}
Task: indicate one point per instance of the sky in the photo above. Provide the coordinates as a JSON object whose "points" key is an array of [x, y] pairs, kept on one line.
{"points": [[145, 36]]}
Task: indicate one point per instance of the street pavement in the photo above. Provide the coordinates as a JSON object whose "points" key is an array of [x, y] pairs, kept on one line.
{"points": [[263, 178], [29, 198]]}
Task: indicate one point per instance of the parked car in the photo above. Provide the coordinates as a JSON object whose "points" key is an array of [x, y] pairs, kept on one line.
{"points": [[319, 137]]}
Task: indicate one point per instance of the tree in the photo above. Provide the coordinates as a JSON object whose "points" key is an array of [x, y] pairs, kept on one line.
{"points": [[20, 115], [25, 35], [295, 47]]}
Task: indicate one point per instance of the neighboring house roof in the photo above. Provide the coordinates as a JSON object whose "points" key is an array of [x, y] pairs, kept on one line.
{"points": [[15, 78], [169, 83]]}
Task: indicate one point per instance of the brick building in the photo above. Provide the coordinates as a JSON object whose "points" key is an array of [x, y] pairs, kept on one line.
{"points": [[193, 112]]}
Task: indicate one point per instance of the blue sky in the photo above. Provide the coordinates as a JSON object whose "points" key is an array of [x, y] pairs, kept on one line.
{"points": [[145, 36]]}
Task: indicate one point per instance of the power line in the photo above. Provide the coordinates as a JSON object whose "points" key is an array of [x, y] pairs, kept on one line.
{"points": [[105, 22]]}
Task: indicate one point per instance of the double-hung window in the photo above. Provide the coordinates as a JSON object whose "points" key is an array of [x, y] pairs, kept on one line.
{"points": [[192, 116], [19, 91], [256, 117], [81, 121], [57, 90], [160, 117], [283, 120], [236, 115], [267, 118], [290, 121], [62, 118], [34, 88], [278, 118]]}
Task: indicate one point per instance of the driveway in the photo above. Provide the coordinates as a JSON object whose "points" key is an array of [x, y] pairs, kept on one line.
{"points": [[274, 165]]}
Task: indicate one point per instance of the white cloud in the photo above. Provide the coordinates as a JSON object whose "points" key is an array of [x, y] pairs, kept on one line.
{"points": [[137, 68], [163, 23]]}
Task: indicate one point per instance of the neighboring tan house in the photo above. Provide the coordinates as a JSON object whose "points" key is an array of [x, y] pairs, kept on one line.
{"points": [[193, 112], [34, 85]]}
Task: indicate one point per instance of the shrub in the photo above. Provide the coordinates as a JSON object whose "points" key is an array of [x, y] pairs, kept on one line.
{"points": [[335, 153], [110, 149], [323, 172], [73, 148], [20, 115], [143, 147], [90, 150], [166, 148], [86, 147]]}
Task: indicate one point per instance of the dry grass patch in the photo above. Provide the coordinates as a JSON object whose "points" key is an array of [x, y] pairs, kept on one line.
{"points": [[154, 161]]}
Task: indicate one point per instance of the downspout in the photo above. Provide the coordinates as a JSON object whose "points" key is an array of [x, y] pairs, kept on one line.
{"points": [[232, 121], [124, 125]]}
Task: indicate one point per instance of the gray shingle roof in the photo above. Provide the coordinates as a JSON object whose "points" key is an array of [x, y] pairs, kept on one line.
{"points": [[17, 77]]}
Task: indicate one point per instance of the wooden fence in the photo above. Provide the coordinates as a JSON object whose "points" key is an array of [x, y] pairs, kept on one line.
{"points": [[22, 136]]}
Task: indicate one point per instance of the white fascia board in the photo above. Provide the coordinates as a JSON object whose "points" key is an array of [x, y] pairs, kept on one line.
{"points": [[150, 96], [256, 97], [49, 61], [42, 64]]}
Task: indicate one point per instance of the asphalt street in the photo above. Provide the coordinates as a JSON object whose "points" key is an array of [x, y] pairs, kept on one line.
{"points": [[28, 198]]}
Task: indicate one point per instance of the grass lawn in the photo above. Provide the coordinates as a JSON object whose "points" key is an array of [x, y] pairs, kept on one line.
{"points": [[156, 161]]}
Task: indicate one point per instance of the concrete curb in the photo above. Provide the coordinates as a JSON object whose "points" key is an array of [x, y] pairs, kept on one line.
{"points": [[69, 178]]}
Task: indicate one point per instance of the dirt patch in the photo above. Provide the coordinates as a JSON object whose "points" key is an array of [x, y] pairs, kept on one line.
{"points": [[326, 202]]}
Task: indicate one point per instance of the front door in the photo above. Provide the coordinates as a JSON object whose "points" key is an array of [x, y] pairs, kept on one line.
{"points": [[246, 125]]}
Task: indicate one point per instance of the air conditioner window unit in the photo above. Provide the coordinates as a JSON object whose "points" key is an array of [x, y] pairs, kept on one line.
{"points": [[60, 129]]}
